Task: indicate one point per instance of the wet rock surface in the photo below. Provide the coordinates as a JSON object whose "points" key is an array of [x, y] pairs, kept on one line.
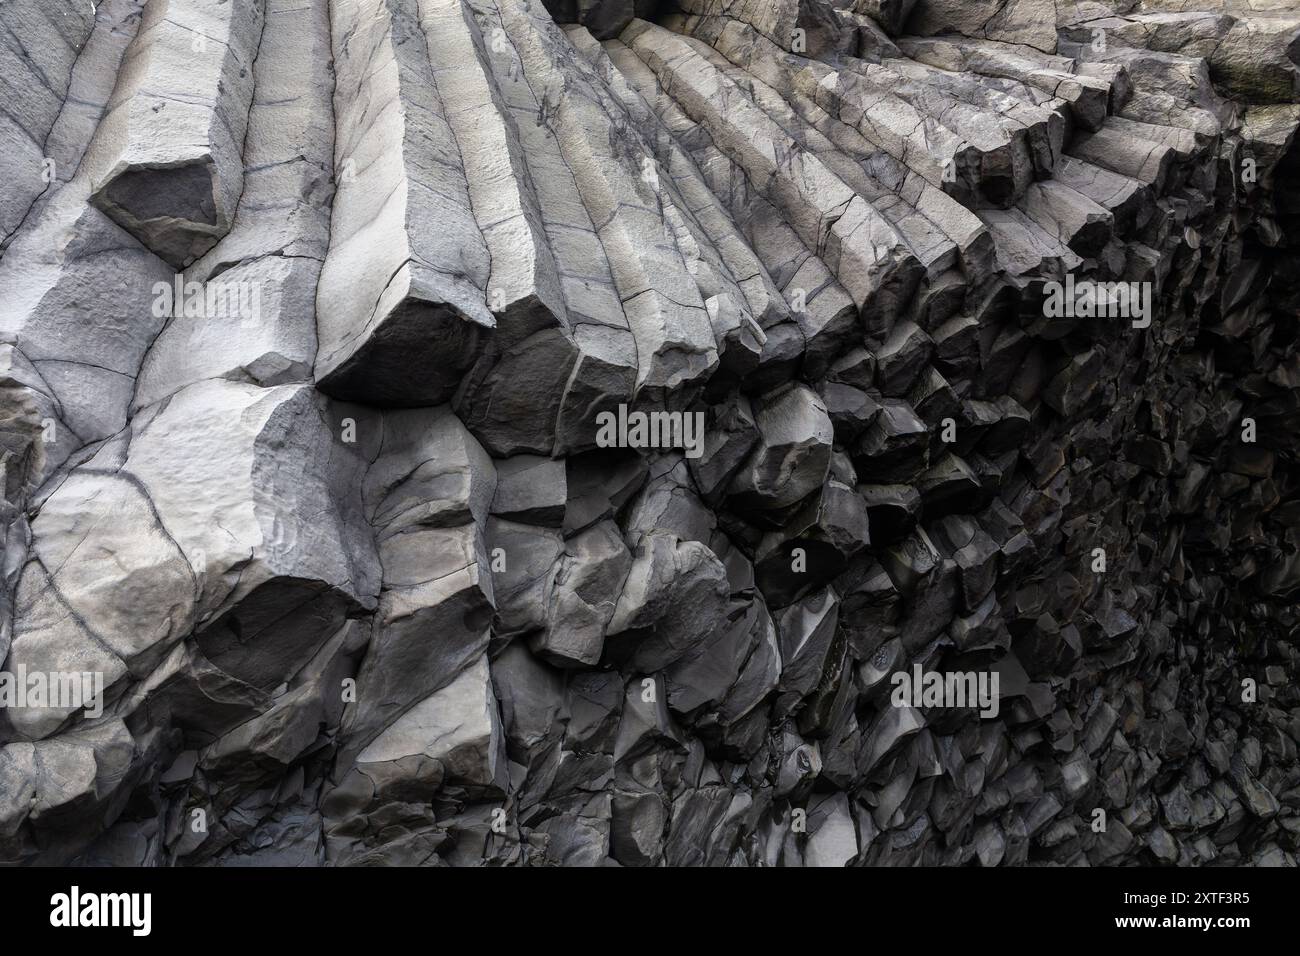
{"points": [[496, 432]]}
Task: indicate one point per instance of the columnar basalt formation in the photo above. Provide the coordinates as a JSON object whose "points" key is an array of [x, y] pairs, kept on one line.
{"points": [[506, 432]]}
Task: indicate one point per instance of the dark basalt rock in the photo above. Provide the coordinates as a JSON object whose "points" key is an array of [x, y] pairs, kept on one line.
{"points": [[337, 526]]}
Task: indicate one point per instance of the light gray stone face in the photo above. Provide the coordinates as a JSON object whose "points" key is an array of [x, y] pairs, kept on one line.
{"points": [[227, 562], [280, 233], [938, 337], [173, 132], [42, 45]]}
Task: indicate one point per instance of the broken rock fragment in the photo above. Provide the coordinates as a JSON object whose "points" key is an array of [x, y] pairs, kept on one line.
{"points": [[792, 457], [173, 134]]}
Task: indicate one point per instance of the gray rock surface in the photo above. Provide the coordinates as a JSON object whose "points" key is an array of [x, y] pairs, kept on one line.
{"points": [[492, 432]]}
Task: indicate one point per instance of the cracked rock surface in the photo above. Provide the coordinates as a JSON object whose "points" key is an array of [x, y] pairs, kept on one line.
{"points": [[316, 317]]}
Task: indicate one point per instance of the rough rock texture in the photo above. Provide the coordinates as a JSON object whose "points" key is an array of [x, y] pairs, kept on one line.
{"points": [[506, 432]]}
